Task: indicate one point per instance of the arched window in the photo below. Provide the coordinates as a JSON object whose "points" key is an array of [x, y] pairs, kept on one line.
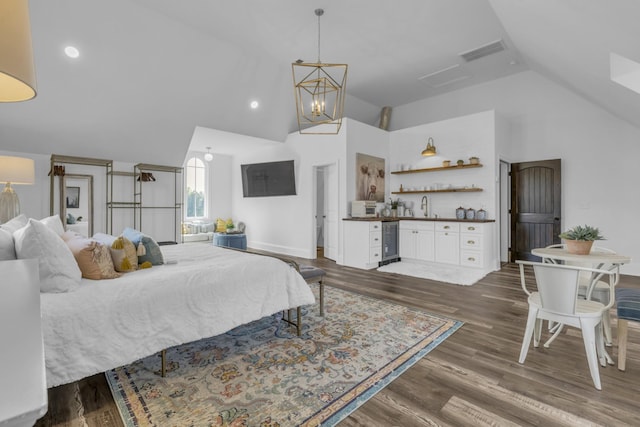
{"points": [[196, 188]]}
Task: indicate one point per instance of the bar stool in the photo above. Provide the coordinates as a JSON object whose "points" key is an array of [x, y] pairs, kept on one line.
{"points": [[314, 274], [628, 303]]}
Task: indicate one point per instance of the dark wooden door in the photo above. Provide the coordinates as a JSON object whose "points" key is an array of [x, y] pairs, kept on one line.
{"points": [[535, 207]]}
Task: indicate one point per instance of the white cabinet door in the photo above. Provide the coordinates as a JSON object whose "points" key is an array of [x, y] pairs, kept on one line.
{"points": [[425, 245], [407, 243], [448, 247]]}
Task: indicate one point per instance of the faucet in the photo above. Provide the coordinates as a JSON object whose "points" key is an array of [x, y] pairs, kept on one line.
{"points": [[425, 205]]}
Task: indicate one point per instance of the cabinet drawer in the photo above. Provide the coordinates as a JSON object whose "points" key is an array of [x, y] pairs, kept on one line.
{"points": [[453, 227], [471, 258], [375, 226], [375, 238], [425, 225], [471, 228], [470, 241], [375, 254]]}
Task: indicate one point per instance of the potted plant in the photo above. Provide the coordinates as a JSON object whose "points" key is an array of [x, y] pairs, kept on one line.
{"points": [[579, 239], [394, 207]]}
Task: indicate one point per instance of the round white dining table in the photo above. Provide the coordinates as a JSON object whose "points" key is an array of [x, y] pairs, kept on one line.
{"points": [[596, 258]]}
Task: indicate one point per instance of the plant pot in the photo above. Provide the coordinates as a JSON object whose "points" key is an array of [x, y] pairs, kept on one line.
{"points": [[579, 247]]}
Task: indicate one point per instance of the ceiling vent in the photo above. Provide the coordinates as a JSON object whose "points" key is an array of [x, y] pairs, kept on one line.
{"points": [[485, 50]]}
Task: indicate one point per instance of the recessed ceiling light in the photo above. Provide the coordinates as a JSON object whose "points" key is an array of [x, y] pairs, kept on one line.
{"points": [[254, 104], [71, 52]]}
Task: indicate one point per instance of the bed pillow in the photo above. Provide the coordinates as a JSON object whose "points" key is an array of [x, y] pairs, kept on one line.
{"points": [[15, 224], [7, 248], [59, 271], [93, 258], [54, 223], [124, 256], [105, 239], [151, 252]]}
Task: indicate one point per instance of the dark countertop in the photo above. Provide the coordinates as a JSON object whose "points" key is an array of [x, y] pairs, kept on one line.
{"points": [[415, 218]]}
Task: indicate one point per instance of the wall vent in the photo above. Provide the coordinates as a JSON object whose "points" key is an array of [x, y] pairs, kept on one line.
{"points": [[485, 50]]}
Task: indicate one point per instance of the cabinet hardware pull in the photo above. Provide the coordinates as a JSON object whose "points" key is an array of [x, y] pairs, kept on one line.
{"points": [[471, 259], [376, 239], [471, 228], [446, 227], [471, 242], [375, 254]]}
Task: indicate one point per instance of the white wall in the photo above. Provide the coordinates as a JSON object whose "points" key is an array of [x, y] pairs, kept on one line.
{"points": [[286, 224], [455, 139], [598, 150]]}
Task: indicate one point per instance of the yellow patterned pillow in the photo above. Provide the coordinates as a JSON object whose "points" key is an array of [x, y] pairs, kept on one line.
{"points": [[124, 255], [221, 225]]}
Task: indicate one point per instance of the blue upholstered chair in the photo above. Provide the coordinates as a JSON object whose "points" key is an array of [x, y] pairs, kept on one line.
{"points": [[628, 303]]}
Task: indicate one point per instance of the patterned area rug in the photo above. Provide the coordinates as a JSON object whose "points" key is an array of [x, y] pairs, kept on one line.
{"points": [[262, 374], [442, 273]]}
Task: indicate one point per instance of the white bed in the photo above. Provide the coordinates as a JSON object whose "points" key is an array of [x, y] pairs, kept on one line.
{"points": [[210, 290]]}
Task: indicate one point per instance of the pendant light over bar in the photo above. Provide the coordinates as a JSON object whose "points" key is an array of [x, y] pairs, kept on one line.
{"points": [[319, 90], [17, 74], [430, 150]]}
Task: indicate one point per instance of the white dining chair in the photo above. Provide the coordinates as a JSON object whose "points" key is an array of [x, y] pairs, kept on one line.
{"points": [[598, 291], [556, 300]]}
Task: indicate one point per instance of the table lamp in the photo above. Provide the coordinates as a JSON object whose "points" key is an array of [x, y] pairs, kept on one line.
{"points": [[13, 170]]}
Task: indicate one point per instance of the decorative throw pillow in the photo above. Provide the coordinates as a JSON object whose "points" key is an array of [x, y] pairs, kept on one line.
{"points": [[105, 239], [15, 224], [54, 223], [93, 258], [7, 248], [124, 255], [221, 225], [59, 271], [151, 250]]}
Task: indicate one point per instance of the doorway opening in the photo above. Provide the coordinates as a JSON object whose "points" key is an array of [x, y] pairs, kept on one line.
{"points": [[326, 211]]}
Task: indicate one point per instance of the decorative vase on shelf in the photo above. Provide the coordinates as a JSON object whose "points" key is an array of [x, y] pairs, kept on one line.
{"points": [[481, 215], [471, 213], [446, 163], [394, 213], [460, 212]]}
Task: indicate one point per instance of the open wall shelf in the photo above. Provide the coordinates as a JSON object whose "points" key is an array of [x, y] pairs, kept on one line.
{"points": [[440, 168], [450, 190]]}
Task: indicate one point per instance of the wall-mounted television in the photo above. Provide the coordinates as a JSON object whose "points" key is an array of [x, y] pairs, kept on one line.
{"points": [[268, 179]]}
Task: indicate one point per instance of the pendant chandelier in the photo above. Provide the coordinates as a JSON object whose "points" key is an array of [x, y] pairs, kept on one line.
{"points": [[430, 150], [319, 90]]}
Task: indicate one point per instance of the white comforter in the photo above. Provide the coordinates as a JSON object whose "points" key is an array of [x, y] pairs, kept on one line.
{"points": [[109, 323]]}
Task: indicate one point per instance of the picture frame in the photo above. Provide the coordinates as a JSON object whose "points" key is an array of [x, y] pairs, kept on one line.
{"points": [[73, 197], [370, 177]]}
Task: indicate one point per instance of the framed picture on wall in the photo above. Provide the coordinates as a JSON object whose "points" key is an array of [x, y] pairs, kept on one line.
{"points": [[369, 177], [73, 197]]}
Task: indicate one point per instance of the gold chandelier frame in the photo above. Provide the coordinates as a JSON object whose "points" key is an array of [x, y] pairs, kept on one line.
{"points": [[320, 91]]}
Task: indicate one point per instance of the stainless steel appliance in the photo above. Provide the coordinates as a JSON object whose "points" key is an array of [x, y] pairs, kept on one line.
{"points": [[390, 252], [363, 208]]}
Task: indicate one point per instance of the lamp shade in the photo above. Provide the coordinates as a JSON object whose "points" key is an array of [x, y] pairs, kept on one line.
{"points": [[17, 170], [17, 74]]}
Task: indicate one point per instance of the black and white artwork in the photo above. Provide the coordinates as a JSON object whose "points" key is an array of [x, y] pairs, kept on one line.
{"points": [[73, 197]]}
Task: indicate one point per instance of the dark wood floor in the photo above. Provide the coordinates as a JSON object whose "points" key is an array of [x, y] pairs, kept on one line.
{"points": [[472, 379]]}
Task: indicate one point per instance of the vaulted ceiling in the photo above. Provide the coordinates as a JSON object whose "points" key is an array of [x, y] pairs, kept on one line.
{"points": [[151, 72]]}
